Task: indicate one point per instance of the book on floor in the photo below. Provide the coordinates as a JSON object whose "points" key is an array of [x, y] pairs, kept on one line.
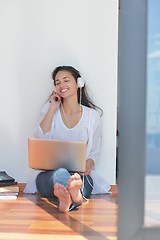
{"points": [[9, 194], [8, 197], [3, 184], [9, 189], [4, 177]]}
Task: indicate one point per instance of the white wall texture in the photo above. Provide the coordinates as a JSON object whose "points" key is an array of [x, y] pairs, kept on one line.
{"points": [[38, 35]]}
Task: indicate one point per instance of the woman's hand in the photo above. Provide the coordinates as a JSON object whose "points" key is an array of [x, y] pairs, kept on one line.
{"points": [[89, 166], [55, 98]]}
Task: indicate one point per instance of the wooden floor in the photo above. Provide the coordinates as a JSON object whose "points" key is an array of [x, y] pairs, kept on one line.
{"points": [[32, 217]]}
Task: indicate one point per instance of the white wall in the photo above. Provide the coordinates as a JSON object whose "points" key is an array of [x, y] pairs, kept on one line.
{"points": [[38, 35]]}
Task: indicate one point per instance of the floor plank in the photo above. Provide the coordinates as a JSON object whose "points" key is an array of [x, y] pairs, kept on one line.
{"points": [[32, 217]]}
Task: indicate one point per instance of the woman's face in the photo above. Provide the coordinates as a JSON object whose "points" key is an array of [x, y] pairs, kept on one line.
{"points": [[65, 84]]}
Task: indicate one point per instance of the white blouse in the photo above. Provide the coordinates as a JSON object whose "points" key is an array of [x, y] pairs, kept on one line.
{"points": [[88, 130]]}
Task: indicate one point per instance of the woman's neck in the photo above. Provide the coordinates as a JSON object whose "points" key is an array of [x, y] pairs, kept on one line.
{"points": [[71, 113], [71, 107]]}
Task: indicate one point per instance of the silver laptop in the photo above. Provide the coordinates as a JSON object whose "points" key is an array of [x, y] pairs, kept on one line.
{"points": [[47, 154]]}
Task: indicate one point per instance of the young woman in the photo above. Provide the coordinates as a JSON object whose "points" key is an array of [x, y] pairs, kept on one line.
{"points": [[70, 115]]}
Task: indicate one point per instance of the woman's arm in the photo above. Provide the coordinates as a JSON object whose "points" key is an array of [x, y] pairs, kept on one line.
{"points": [[46, 123], [45, 126], [47, 120]]}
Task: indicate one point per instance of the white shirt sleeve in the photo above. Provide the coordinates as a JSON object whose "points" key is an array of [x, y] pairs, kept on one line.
{"points": [[95, 136], [38, 133]]}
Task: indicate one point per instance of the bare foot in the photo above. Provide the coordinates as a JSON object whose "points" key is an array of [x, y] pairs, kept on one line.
{"points": [[74, 184], [63, 195]]}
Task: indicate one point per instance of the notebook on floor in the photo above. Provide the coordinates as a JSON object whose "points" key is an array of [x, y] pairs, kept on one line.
{"points": [[4, 177], [47, 154]]}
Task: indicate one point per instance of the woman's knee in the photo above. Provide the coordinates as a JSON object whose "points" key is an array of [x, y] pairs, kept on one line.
{"points": [[60, 171], [61, 175]]}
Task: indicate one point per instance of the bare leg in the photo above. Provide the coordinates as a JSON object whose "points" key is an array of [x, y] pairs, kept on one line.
{"points": [[63, 195], [74, 185]]}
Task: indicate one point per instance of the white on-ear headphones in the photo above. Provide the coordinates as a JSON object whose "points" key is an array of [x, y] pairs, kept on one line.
{"points": [[80, 82]]}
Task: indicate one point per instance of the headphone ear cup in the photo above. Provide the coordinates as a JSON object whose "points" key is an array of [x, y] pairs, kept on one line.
{"points": [[80, 82]]}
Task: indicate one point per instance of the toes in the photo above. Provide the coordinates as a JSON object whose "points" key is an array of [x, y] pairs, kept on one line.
{"points": [[77, 176]]}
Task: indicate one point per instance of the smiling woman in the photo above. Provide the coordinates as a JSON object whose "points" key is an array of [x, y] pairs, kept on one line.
{"points": [[67, 117], [71, 74], [41, 40]]}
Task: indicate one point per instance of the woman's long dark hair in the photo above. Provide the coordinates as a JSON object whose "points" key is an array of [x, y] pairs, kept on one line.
{"points": [[85, 100]]}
